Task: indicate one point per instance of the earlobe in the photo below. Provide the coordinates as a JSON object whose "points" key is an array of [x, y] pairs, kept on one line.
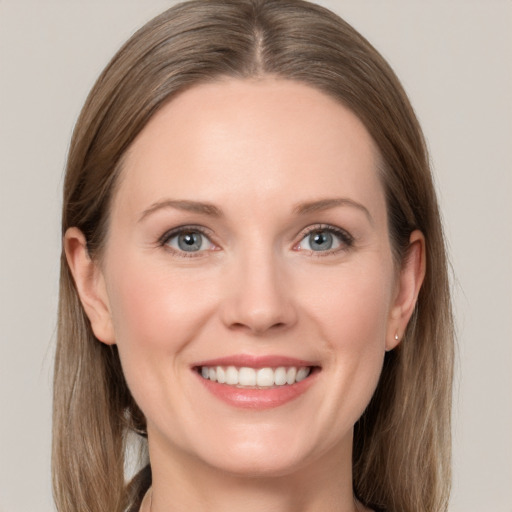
{"points": [[412, 274], [90, 284]]}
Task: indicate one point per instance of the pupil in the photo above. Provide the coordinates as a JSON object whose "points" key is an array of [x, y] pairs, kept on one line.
{"points": [[190, 242], [321, 241]]}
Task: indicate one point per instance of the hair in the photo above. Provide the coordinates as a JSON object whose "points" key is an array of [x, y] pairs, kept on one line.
{"points": [[402, 443]]}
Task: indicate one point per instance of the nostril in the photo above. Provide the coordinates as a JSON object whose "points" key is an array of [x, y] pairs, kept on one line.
{"points": [[238, 326], [257, 327]]}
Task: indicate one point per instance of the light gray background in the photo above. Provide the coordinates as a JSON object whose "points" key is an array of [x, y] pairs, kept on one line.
{"points": [[455, 60]]}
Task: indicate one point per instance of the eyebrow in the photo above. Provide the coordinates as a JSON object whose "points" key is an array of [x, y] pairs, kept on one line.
{"points": [[188, 206], [328, 203], [213, 211]]}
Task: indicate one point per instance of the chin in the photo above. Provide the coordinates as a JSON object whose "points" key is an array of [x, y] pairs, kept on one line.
{"points": [[259, 465], [271, 452]]}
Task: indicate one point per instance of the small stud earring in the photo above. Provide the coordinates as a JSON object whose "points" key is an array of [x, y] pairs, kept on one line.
{"points": [[396, 336]]}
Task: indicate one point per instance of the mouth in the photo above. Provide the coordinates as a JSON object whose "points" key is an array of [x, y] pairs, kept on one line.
{"points": [[257, 382], [255, 378]]}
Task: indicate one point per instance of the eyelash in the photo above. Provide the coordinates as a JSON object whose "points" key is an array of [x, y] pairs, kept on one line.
{"points": [[346, 239], [169, 235]]}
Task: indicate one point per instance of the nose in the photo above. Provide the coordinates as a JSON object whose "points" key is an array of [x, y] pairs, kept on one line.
{"points": [[259, 296]]}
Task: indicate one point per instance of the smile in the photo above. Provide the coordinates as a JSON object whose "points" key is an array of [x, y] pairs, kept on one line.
{"points": [[257, 382], [247, 377]]}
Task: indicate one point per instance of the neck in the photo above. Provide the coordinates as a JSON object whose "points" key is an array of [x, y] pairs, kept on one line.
{"points": [[182, 483]]}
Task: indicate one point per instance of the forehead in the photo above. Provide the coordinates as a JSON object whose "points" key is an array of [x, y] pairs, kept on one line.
{"points": [[272, 139]]}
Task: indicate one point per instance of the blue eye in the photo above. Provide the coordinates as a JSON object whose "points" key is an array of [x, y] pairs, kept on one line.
{"points": [[320, 241], [188, 240], [325, 239]]}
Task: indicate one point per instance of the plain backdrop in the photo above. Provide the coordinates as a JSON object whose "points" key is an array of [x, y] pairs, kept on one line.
{"points": [[455, 60]]}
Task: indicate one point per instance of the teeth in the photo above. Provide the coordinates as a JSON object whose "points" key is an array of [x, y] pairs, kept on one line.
{"points": [[246, 377], [250, 377], [232, 376], [221, 375], [301, 374], [280, 376], [265, 377], [290, 375]]}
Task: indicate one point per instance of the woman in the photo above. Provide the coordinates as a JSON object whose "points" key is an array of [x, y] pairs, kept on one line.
{"points": [[253, 275]]}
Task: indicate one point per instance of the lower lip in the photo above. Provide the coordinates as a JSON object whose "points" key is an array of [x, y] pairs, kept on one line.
{"points": [[251, 398]]}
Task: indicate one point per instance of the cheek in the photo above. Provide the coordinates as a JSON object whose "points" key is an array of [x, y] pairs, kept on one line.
{"points": [[353, 315], [355, 305], [155, 313], [153, 307]]}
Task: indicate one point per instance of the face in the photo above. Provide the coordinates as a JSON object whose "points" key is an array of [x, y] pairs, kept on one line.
{"points": [[247, 276]]}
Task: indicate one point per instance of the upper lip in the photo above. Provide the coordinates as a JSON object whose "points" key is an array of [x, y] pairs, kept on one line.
{"points": [[252, 361]]}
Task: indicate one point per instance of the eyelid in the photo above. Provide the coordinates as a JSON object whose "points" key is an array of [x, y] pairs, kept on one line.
{"points": [[345, 238], [186, 228]]}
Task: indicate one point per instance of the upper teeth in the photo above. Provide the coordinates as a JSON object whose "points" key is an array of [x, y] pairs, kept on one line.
{"points": [[261, 377]]}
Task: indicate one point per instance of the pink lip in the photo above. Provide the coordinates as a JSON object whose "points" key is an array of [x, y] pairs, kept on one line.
{"points": [[251, 361], [257, 399]]}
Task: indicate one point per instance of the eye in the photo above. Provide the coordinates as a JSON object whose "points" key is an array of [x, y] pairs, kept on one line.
{"points": [[187, 240], [325, 239]]}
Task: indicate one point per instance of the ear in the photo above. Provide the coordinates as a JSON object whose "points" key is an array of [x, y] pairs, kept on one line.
{"points": [[410, 279], [90, 284]]}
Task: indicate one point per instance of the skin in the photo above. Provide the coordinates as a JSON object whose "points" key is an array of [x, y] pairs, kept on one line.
{"points": [[255, 150]]}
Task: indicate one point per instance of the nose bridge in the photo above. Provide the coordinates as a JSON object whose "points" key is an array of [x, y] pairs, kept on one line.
{"points": [[259, 297]]}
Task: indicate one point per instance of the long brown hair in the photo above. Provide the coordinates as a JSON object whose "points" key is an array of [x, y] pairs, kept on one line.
{"points": [[401, 458]]}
